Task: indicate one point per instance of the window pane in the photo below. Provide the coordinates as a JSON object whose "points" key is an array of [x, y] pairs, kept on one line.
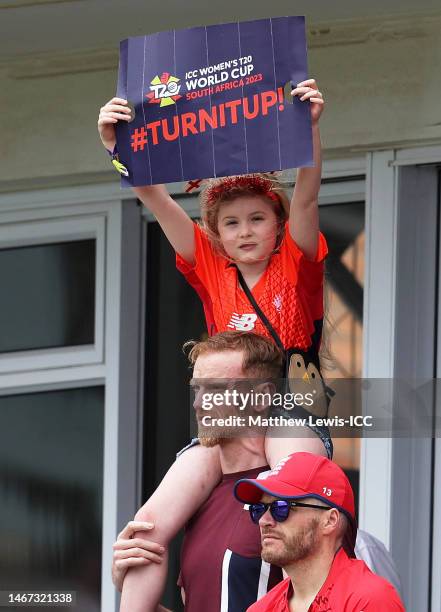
{"points": [[48, 296], [51, 483]]}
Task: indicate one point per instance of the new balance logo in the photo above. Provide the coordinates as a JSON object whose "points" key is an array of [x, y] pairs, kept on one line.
{"points": [[243, 322]]}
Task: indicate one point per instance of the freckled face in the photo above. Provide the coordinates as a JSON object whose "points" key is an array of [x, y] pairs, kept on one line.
{"points": [[248, 228]]}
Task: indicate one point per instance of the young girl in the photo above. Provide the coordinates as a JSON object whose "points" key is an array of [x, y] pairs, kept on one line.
{"points": [[246, 228]]}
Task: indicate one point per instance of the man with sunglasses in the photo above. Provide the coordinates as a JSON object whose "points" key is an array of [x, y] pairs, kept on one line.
{"points": [[305, 510]]}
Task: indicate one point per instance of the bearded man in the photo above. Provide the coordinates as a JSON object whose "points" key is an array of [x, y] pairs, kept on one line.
{"points": [[305, 510]]}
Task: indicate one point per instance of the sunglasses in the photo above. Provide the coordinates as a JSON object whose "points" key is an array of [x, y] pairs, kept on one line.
{"points": [[279, 509]]}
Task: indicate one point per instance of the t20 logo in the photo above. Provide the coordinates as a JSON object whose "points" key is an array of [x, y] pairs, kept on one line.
{"points": [[164, 90]]}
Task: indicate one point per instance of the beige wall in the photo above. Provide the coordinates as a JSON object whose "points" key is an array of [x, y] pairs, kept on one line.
{"points": [[383, 89], [381, 81]]}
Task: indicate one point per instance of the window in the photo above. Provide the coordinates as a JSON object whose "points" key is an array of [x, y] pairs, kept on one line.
{"points": [[51, 486], [53, 300], [48, 296]]}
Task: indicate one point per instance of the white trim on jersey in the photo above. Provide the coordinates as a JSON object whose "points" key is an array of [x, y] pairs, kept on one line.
{"points": [[263, 579], [225, 574]]}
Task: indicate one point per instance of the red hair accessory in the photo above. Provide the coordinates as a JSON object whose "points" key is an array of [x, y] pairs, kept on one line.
{"points": [[255, 184]]}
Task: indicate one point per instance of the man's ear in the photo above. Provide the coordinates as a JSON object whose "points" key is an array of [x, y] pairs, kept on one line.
{"points": [[265, 393], [330, 523]]}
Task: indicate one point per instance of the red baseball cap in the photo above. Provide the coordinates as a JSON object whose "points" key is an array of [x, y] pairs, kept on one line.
{"points": [[302, 475]]}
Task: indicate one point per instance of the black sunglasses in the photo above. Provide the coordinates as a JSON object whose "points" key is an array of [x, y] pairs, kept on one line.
{"points": [[279, 509]]}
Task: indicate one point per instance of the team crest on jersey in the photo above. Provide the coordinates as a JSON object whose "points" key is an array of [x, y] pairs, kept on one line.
{"points": [[276, 468], [277, 302], [243, 322]]}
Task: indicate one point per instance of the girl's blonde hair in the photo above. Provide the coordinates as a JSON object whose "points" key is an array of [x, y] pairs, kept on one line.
{"points": [[217, 191]]}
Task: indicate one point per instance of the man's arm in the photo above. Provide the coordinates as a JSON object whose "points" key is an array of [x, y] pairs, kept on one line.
{"points": [[129, 551], [184, 488], [143, 587], [303, 215]]}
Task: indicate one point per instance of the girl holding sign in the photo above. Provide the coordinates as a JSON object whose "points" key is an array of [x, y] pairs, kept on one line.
{"points": [[254, 251]]}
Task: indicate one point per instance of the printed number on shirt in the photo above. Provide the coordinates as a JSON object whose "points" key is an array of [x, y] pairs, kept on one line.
{"points": [[243, 322]]}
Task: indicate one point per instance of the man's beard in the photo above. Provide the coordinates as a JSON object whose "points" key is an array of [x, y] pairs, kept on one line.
{"points": [[210, 441], [294, 546], [212, 436]]}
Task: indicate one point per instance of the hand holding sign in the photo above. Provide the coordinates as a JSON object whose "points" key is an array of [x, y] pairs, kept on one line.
{"points": [[113, 111], [307, 90]]}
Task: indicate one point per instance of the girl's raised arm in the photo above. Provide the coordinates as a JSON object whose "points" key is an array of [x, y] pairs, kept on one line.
{"points": [[303, 215], [175, 223]]}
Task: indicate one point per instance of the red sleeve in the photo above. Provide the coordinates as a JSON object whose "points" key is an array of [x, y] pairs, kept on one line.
{"points": [[203, 275], [305, 273], [206, 258]]}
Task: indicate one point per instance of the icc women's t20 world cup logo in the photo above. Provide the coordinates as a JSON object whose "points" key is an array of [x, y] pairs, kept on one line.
{"points": [[164, 89]]}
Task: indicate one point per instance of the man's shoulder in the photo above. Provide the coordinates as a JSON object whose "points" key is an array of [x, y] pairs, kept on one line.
{"points": [[370, 590], [374, 553], [273, 597]]}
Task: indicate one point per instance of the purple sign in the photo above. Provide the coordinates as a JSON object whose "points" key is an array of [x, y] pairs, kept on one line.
{"points": [[211, 101]]}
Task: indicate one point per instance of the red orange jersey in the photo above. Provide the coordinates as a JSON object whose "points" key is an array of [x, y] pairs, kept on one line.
{"points": [[350, 586], [290, 292]]}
